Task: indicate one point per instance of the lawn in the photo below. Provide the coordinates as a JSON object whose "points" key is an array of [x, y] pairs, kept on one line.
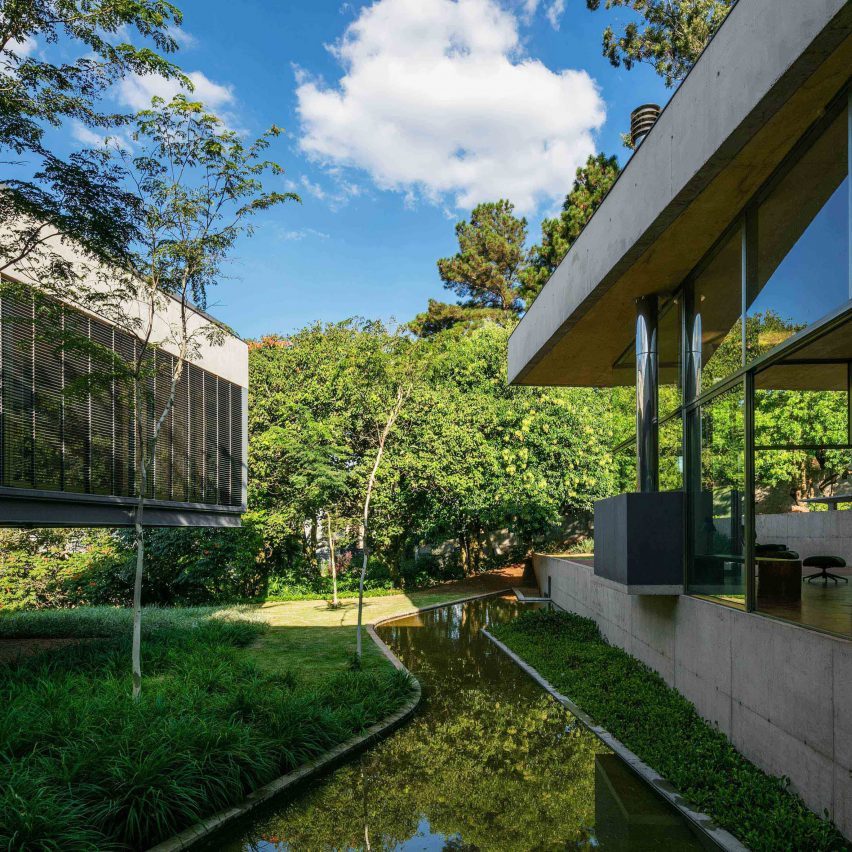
{"points": [[312, 630], [232, 698], [659, 725]]}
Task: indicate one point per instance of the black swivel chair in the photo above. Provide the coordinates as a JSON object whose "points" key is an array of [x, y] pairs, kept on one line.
{"points": [[824, 563]]}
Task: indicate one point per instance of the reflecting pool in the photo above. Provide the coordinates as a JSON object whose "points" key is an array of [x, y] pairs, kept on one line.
{"points": [[489, 763]]}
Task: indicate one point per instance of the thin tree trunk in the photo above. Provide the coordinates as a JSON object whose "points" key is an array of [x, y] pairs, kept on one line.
{"points": [[334, 600], [401, 394], [138, 520]]}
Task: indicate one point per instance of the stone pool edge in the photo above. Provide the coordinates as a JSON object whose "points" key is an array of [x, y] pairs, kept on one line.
{"points": [[339, 754], [704, 823]]}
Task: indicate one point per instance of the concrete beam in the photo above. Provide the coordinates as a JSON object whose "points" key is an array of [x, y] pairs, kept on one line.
{"points": [[739, 112]]}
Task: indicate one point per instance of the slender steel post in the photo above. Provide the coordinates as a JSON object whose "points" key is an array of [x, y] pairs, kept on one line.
{"points": [[647, 385], [750, 522]]}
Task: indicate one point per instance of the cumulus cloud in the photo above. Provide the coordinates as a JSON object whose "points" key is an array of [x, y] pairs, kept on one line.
{"points": [[438, 101], [137, 90]]}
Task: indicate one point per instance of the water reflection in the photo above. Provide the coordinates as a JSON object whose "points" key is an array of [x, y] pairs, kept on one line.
{"points": [[489, 763]]}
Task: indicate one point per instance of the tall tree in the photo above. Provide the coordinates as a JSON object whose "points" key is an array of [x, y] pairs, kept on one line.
{"points": [[80, 197], [197, 187], [591, 184], [669, 35], [485, 272]]}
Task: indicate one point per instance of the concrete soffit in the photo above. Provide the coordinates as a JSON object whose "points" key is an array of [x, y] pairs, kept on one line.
{"points": [[737, 115]]}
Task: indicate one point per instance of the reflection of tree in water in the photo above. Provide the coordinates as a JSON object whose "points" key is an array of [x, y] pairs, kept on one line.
{"points": [[490, 762]]}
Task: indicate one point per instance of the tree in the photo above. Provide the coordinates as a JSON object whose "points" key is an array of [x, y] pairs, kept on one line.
{"points": [[403, 391], [591, 184], [485, 273], [80, 198], [669, 36], [197, 187]]}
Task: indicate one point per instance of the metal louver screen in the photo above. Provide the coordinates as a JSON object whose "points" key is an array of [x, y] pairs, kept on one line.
{"points": [[67, 421]]}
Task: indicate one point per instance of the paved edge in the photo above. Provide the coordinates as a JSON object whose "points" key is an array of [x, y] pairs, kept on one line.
{"points": [[328, 760], [722, 838]]}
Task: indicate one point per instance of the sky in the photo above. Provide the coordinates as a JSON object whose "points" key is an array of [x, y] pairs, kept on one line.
{"points": [[400, 116]]}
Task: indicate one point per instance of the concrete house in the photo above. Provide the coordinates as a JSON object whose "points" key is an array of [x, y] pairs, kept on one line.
{"points": [[715, 277], [68, 445]]}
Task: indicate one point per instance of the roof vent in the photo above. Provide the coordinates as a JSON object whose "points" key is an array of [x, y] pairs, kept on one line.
{"points": [[642, 119]]}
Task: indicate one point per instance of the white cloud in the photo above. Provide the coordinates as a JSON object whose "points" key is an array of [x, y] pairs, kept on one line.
{"points": [[438, 101], [86, 136], [184, 39], [137, 90], [554, 12], [24, 48], [302, 233]]}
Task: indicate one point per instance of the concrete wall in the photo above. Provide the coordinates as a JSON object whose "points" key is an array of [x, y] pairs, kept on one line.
{"points": [[809, 533], [781, 693]]}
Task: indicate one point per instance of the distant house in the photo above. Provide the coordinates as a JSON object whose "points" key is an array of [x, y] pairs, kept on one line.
{"points": [[715, 277], [69, 451]]}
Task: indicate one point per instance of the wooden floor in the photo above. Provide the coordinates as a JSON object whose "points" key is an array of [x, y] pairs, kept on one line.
{"points": [[825, 607]]}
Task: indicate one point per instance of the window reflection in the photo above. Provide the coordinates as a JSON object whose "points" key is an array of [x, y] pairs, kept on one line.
{"points": [[716, 490], [717, 303], [801, 245], [803, 486]]}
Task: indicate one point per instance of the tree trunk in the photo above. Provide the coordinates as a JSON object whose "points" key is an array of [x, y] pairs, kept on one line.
{"points": [[334, 601], [138, 522], [401, 395]]}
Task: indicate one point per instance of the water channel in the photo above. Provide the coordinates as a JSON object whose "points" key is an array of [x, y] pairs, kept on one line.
{"points": [[490, 762]]}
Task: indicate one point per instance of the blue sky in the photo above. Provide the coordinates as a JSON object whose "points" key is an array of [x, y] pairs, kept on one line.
{"points": [[445, 103]]}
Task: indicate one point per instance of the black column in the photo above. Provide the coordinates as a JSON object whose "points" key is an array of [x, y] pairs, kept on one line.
{"points": [[647, 379]]}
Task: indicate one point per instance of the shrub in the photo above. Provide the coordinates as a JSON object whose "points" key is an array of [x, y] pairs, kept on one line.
{"points": [[659, 725], [83, 766]]}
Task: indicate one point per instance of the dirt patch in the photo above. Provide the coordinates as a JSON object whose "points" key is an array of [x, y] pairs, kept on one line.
{"points": [[15, 649]]}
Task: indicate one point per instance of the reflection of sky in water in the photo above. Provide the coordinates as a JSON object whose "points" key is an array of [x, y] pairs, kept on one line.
{"points": [[488, 763]]}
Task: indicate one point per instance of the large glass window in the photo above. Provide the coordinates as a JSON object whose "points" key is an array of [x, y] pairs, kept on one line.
{"points": [[716, 486], [717, 303], [668, 357], [803, 485], [800, 245]]}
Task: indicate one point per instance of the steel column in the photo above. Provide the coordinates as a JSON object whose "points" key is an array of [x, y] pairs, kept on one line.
{"points": [[647, 384]]}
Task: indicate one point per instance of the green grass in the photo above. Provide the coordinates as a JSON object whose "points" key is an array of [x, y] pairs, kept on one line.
{"points": [[663, 729], [84, 767], [295, 594]]}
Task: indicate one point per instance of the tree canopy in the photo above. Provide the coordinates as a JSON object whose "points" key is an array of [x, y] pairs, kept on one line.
{"points": [[669, 35]]}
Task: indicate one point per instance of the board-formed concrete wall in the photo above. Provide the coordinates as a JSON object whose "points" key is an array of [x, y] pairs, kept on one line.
{"points": [[781, 693], [809, 533]]}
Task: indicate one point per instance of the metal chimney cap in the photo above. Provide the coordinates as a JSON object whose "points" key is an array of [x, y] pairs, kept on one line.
{"points": [[642, 119]]}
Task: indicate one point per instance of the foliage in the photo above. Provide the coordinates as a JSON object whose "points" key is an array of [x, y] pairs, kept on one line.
{"points": [[668, 35], [485, 272], [48, 568], [80, 197], [82, 767], [663, 729], [591, 184], [470, 456]]}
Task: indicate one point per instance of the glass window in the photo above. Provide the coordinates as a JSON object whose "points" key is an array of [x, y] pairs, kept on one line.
{"points": [[668, 357], [671, 454], [716, 487], [718, 306], [803, 486], [801, 244]]}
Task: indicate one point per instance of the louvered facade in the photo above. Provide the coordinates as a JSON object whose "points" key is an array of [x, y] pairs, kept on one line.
{"points": [[68, 434]]}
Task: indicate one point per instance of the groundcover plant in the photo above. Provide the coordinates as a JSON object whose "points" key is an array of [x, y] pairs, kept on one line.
{"points": [[657, 723], [83, 766]]}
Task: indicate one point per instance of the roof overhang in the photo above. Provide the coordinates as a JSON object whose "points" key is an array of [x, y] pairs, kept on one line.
{"points": [[762, 81]]}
